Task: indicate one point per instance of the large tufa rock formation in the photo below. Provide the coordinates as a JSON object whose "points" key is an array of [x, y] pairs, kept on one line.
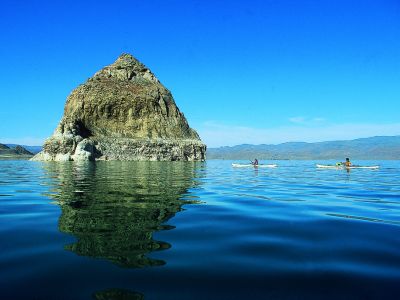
{"points": [[122, 113]]}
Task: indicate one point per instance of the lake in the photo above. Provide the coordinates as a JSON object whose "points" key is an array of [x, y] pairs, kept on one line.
{"points": [[175, 230]]}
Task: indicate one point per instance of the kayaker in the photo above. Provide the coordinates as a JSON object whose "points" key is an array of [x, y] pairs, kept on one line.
{"points": [[347, 163], [255, 163]]}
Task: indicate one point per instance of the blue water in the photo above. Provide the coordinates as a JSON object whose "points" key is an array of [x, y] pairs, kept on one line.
{"points": [[159, 230]]}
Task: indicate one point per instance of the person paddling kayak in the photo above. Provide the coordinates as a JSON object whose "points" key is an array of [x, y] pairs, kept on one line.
{"points": [[255, 162], [347, 162]]}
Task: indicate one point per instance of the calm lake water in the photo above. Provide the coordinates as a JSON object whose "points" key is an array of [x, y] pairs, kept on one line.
{"points": [[159, 230]]}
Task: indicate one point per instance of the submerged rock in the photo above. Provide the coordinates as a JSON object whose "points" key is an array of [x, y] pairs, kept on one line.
{"points": [[122, 113]]}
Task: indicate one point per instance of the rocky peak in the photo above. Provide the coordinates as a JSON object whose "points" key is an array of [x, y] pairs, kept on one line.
{"points": [[126, 68], [21, 150], [127, 60]]}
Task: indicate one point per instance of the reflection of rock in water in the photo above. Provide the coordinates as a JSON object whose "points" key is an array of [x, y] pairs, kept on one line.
{"points": [[118, 294], [113, 208]]}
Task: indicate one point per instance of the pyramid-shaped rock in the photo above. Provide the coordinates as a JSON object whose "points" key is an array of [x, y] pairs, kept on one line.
{"points": [[122, 113]]}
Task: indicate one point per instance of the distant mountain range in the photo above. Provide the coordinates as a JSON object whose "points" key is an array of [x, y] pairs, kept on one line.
{"points": [[378, 147], [32, 149], [14, 151]]}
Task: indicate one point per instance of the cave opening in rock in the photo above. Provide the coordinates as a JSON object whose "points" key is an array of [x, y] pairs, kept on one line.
{"points": [[83, 130]]}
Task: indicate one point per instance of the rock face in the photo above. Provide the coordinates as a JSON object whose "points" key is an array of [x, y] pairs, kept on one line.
{"points": [[122, 113]]}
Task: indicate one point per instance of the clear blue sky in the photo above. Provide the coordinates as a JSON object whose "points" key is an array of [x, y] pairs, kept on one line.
{"points": [[240, 71]]}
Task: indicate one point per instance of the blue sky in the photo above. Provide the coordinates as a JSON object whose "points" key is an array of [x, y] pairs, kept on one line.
{"points": [[240, 71]]}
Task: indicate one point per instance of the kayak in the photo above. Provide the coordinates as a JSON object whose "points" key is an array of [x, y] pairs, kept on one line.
{"points": [[254, 166], [344, 167]]}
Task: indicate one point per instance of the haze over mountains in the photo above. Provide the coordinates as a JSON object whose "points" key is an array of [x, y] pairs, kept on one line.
{"points": [[379, 147]]}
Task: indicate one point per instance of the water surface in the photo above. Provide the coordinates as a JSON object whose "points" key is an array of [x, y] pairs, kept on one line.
{"points": [[159, 230]]}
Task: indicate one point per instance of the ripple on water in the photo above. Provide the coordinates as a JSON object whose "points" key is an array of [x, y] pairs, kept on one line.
{"points": [[171, 230]]}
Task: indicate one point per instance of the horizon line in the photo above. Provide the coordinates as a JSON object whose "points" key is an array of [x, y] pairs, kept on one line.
{"points": [[272, 144]]}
